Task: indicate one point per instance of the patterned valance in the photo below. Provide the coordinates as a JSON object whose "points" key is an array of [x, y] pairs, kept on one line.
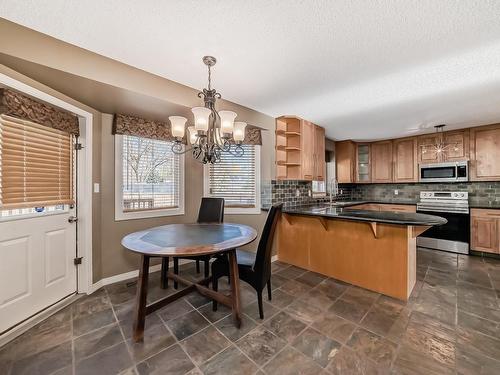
{"points": [[139, 127], [23, 107], [252, 135]]}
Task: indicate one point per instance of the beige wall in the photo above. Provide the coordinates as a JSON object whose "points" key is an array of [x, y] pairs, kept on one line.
{"points": [[109, 258]]}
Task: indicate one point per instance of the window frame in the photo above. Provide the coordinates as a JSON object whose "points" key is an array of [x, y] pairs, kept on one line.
{"points": [[239, 210], [120, 215]]}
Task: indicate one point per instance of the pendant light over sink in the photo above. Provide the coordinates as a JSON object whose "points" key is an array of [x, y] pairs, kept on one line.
{"points": [[213, 132]]}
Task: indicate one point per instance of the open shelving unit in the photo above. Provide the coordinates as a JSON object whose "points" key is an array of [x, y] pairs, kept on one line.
{"points": [[288, 148]]}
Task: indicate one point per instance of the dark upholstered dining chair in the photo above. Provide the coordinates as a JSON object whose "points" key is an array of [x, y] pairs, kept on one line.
{"points": [[253, 268], [211, 211]]}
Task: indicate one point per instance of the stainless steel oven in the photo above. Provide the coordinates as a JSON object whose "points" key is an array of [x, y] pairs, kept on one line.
{"points": [[454, 207], [444, 172]]}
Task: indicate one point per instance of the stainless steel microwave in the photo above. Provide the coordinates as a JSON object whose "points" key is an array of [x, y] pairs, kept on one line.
{"points": [[444, 172]]}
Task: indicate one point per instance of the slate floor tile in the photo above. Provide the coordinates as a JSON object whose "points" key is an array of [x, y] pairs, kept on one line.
{"points": [[93, 321], [96, 341], [291, 272], [317, 298], [227, 327], [213, 316], [45, 361], [295, 288], [471, 362], [354, 304], [229, 362], [281, 299], [311, 278], [334, 326], [109, 361], [205, 344], [411, 361], [289, 361], [285, 326], [174, 310], [303, 311], [252, 311], [377, 348], [171, 361], [316, 346], [348, 362], [187, 324], [260, 345], [156, 338], [332, 288]]}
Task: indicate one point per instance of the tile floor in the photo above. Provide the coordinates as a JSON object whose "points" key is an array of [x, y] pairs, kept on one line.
{"points": [[313, 325]]}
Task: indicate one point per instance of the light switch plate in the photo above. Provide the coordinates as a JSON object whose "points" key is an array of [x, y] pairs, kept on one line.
{"points": [[96, 187]]}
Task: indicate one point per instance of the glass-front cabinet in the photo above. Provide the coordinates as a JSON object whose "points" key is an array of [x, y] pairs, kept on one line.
{"points": [[363, 166]]}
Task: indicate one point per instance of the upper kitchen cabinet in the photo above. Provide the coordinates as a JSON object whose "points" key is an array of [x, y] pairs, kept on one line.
{"points": [[363, 163], [300, 149], [381, 161], [345, 156], [319, 153], [458, 145], [426, 152], [485, 153], [405, 160], [456, 142]]}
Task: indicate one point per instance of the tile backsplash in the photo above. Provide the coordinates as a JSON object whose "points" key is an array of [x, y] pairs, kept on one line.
{"points": [[297, 193], [478, 191]]}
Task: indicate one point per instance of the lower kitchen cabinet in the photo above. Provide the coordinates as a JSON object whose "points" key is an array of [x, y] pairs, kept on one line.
{"points": [[485, 230]]}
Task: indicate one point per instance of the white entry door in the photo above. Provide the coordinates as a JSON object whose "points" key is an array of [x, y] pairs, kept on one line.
{"points": [[37, 241], [36, 265]]}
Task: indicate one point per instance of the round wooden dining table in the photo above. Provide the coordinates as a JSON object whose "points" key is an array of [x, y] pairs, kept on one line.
{"points": [[180, 240]]}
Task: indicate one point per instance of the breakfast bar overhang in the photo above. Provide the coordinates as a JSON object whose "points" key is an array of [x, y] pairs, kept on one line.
{"points": [[373, 250]]}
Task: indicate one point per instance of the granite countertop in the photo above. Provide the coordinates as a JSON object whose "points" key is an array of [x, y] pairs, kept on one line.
{"points": [[484, 204], [387, 217], [378, 201]]}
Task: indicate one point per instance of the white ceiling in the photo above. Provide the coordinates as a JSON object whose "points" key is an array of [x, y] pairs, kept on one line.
{"points": [[363, 69]]}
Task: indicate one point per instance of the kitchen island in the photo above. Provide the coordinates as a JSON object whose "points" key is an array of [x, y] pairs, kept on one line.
{"points": [[375, 250]]}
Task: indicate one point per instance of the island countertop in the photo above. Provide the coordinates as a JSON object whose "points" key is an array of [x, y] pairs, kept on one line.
{"points": [[387, 217]]}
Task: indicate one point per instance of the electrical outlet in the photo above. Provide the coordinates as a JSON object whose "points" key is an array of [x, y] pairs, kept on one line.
{"points": [[297, 193], [396, 191]]}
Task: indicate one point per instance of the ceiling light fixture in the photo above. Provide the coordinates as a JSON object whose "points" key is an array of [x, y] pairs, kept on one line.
{"points": [[214, 132], [440, 147]]}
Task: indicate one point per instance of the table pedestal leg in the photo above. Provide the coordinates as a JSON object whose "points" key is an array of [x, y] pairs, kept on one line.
{"points": [[235, 287], [140, 303]]}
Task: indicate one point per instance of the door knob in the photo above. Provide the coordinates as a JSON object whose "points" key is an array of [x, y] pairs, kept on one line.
{"points": [[72, 219]]}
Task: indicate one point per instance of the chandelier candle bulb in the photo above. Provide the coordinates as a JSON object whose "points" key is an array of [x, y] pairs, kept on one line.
{"points": [[178, 126], [193, 135], [239, 131], [201, 118], [227, 121]]}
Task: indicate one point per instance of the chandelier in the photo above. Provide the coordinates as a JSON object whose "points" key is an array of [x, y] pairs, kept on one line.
{"points": [[440, 147], [214, 132]]}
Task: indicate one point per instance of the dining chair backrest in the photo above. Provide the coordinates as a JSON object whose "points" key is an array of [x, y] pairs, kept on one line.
{"points": [[262, 265], [211, 210]]}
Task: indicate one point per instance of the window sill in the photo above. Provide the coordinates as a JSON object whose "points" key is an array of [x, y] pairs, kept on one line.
{"points": [[121, 216], [242, 211]]}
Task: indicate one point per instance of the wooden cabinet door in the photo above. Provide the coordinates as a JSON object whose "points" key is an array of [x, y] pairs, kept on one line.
{"points": [[405, 160], [484, 234], [485, 153], [363, 163], [427, 155], [307, 150], [458, 145], [319, 153], [381, 154], [344, 161]]}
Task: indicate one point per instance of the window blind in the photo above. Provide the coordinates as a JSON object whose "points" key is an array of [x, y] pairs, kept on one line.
{"points": [[234, 179], [151, 174], [36, 165]]}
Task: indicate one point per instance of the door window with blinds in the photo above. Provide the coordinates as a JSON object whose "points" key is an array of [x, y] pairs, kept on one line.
{"points": [[237, 180], [36, 168], [149, 178]]}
